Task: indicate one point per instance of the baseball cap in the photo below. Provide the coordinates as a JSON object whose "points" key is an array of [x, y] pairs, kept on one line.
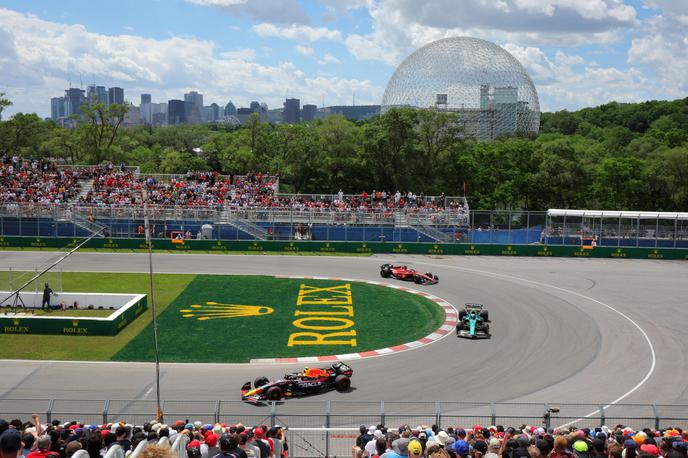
{"points": [[10, 441], [649, 448], [193, 452], [580, 446], [461, 447], [630, 443], [415, 448], [258, 432]]}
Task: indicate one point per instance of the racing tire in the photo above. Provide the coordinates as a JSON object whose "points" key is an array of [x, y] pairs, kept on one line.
{"points": [[418, 279], [260, 381], [484, 315], [462, 315], [385, 273], [437, 279], [274, 393], [342, 383]]}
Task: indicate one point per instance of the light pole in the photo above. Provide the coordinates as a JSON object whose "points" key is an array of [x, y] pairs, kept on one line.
{"points": [[149, 242]]}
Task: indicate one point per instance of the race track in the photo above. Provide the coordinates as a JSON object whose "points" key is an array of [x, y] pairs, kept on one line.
{"points": [[564, 330]]}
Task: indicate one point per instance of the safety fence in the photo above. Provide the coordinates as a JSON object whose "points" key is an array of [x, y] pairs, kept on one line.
{"points": [[315, 427], [443, 225]]}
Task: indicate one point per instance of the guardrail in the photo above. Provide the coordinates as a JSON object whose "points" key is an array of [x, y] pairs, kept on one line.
{"points": [[351, 413]]}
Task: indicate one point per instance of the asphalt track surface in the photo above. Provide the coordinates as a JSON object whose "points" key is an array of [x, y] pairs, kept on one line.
{"points": [[564, 330]]}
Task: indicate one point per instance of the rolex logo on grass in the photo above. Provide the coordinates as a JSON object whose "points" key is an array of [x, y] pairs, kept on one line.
{"points": [[216, 310]]}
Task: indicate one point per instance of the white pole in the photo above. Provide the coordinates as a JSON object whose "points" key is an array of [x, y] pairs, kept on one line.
{"points": [[155, 318]]}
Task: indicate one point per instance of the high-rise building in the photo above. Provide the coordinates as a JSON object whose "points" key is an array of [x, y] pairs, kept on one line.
{"points": [[308, 112], [146, 109], [57, 108], [116, 95], [193, 99], [215, 112], [175, 112], [74, 98], [95, 94], [230, 109], [292, 111], [243, 114]]}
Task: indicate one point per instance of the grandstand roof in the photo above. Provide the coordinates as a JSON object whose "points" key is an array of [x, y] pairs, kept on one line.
{"points": [[617, 214]]}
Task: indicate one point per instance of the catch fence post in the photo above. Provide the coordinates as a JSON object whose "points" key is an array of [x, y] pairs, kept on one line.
{"points": [[603, 418], [438, 413], [273, 413], [656, 413], [106, 409], [217, 411], [49, 413], [493, 413], [382, 412], [327, 425]]}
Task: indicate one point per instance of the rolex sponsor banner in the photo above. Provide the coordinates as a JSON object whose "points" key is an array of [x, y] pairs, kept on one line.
{"points": [[350, 247]]}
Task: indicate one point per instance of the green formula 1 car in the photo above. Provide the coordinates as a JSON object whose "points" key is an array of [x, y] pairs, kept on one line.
{"points": [[473, 322]]}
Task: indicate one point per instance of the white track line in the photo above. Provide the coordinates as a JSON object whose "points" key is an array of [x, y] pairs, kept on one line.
{"points": [[524, 280]]}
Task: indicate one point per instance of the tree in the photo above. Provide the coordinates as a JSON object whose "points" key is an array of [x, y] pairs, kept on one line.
{"points": [[101, 128]]}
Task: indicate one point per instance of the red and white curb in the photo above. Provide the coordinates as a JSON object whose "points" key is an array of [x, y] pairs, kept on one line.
{"points": [[450, 320]]}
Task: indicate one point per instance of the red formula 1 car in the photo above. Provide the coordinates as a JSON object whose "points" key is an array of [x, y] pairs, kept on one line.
{"points": [[296, 384], [405, 273]]}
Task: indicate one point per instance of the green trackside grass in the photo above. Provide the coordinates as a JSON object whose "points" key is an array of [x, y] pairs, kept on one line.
{"points": [[34, 346], [383, 317]]}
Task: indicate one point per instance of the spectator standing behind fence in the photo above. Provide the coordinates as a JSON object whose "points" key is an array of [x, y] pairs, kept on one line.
{"points": [[45, 304]]}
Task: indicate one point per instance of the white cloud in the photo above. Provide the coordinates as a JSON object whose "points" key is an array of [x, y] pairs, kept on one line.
{"points": [[38, 58], [329, 59], [303, 33], [402, 26], [279, 11], [304, 50]]}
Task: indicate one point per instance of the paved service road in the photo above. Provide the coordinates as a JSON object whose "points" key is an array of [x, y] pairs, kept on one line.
{"points": [[564, 330]]}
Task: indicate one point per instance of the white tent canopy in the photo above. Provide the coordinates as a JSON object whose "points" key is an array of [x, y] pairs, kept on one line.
{"points": [[557, 212]]}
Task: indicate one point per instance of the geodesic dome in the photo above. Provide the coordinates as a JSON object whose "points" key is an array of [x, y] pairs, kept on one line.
{"points": [[480, 81]]}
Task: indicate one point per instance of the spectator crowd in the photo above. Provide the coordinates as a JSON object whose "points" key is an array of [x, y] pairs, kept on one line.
{"points": [[43, 182], [31, 439], [522, 442]]}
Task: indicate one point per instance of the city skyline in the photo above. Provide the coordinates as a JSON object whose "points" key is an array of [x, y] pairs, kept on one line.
{"points": [[579, 52]]}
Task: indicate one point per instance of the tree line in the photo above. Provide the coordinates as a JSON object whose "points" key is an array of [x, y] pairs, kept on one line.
{"points": [[615, 156]]}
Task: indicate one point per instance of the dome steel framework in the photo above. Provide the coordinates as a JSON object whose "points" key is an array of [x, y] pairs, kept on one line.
{"points": [[480, 81]]}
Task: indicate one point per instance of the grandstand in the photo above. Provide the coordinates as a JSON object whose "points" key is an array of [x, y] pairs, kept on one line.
{"points": [[45, 200]]}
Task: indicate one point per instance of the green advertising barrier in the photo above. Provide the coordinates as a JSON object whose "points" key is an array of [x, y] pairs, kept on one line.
{"points": [[75, 326], [259, 246]]}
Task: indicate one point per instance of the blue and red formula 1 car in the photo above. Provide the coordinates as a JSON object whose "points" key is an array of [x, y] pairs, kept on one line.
{"points": [[408, 274], [311, 380]]}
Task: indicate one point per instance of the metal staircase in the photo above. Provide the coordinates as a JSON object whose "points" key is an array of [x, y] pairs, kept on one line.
{"points": [[90, 226], [431, 232], [400, 219], [86, 186], [230, 219]]}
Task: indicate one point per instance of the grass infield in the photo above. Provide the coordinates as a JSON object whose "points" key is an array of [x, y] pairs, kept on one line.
{"points": [[382, 317]]}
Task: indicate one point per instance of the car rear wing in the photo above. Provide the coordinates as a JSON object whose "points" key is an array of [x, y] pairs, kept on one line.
{"points": [[470, 307]]}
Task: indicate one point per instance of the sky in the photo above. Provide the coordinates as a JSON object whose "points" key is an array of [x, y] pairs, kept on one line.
{"points": [[327, 52]]}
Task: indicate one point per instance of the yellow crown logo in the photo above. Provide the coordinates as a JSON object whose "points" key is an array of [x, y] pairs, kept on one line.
{"points": [[75, 323], [15, 322], [216, 310]]}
